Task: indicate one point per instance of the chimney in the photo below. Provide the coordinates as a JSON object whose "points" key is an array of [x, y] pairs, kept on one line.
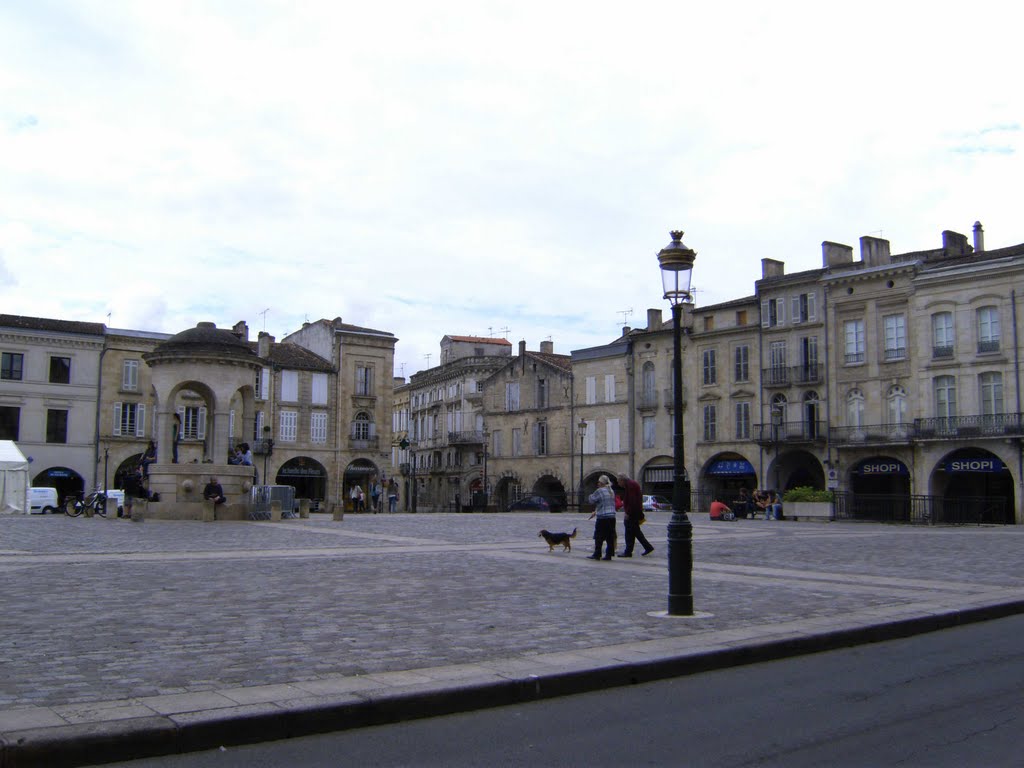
{"points": [[241, 330], [874, 251], [954, 244], [522, 347], [547, 347], [263, 344], [772, 268], [653, 319], [625, 330], [835, 254], [979, 237]]}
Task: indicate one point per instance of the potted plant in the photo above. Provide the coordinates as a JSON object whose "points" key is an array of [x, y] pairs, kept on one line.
{"points": [[807, 503]]}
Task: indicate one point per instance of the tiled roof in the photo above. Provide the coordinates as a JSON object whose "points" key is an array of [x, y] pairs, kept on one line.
{"points": [[53, 326], [562, 362], [294, 357], [481, 340]]}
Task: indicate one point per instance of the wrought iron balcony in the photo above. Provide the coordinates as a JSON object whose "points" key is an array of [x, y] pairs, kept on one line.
{"points": [[363, 443], [784, 376], [789, 432], [871, 433], [957, 427], [466, 437]]}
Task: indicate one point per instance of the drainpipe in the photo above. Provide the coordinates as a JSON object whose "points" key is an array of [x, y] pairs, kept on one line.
{"points": [[1016, 376], [631, 408]]}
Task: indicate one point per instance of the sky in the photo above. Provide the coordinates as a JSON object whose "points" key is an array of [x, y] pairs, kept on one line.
{"points": [[485, 168]]}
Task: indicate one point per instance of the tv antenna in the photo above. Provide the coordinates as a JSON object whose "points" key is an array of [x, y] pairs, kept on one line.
{"points": [[427, 358], [625, 314], [264, 313]]}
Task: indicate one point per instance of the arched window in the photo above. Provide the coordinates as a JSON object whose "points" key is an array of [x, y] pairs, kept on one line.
{"points": [[896, 406], [362, 427], [855, 408]]}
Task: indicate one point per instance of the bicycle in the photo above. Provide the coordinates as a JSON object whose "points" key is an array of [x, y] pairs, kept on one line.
{"points": [[96, 501]]}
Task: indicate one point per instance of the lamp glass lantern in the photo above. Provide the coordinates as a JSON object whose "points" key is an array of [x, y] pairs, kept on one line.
{"points": [[676, 262], [581, 430]]}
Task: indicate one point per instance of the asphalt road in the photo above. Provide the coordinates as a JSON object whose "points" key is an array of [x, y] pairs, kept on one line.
{"points": [[950, 698]]}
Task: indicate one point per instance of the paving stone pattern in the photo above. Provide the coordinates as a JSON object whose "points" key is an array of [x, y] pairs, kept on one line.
{"points": [[101, 610]]}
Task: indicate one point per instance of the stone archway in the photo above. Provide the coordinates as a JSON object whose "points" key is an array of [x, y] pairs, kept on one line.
{"points": [[361, 473], [307, 476]]}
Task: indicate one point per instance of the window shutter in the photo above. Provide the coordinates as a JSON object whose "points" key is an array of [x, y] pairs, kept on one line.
{"points": [[117, 420], [373, 429], [765, 314], [231, 425], [265, 383], [140, 420], [202, 423], [811, 302], [796, 309], [780, 306]]}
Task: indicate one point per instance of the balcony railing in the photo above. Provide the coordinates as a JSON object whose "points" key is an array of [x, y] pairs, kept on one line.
{"points": [[784, 376], [955, 427], [988, 346], [363, 443], [791, 432], [939, 353], [871, 433], [467, 437], [647, 400]]}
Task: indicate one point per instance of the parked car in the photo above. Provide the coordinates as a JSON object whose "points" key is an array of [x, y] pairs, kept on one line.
{"points": [[653, 503], [537, 503], [42, 501]]}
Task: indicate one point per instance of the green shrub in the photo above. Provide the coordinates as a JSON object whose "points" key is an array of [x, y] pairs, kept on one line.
{"points": [[806, 493]]}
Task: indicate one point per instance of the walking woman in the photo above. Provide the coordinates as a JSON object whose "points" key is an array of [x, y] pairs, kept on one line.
{"points": [[603, 500]]}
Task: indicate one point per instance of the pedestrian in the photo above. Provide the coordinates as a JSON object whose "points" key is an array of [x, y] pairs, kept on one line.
{"points": [[633, 510], [774, 505], [133, 489], [392, 495], [175, 438], [375, 496], [356, 496], [604, 510], [213, 492]]}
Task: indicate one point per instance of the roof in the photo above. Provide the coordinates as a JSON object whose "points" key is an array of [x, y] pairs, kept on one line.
{"points": [[479, 340], [206, 339], [292, 356], [562, 362], [52, 326]]}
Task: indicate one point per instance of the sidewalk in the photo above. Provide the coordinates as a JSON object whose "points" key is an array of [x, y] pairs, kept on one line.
{"points": [[123, 640]]}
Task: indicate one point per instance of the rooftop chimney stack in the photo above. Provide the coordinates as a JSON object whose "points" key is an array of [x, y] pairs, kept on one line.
{"points": [[263, 343], [979, 237], [547, 347], [653, 319], [522, 347]]}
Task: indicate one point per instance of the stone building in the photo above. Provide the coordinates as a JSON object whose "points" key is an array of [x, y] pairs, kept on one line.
{"points": [[528, 411], [49, 388]]}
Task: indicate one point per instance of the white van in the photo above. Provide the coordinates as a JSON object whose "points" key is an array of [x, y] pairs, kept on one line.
{"points": [[42, 501]]}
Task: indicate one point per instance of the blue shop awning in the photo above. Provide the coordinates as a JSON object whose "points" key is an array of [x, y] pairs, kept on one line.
{"points": [[731, 467]]}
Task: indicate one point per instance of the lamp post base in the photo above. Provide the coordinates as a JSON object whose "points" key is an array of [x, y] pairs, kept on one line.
{"points": [[680, 565]]}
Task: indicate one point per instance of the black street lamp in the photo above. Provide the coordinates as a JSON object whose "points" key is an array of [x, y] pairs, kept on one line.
{"points": [[676, 262], [268, 450], [777, 414], [581, 430], [487, 437]]}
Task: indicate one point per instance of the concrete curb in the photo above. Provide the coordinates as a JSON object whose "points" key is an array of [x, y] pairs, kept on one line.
{"points": [[68, 746]]}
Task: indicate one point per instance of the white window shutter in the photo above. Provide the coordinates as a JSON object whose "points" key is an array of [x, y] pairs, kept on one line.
{"points": [[265, 383], [201, 429], [140, 420], [117, 420], [781, 308], [231, 425], [796, 309], [765, 315], [373, 429], [811, 302]]}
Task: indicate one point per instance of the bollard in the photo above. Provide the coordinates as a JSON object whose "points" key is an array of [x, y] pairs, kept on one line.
{"points": [[337, 512], [304, 508], [209, 511], [275, 511]]}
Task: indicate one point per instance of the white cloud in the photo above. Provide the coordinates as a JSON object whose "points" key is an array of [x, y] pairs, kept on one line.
{"points": [[465, 167]]}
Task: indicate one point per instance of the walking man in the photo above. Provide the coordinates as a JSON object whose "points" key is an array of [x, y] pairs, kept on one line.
{"points": [[633, 509]]}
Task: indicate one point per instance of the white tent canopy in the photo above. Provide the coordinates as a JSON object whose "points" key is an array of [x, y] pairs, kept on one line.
{"points": [[14, 478]]}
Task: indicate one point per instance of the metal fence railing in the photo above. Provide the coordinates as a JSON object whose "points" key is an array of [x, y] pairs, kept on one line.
{"points": [[923, 510], [262, 496]]}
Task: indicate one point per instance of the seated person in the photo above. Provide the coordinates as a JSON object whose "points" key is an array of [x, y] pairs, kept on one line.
{"points": [[775, 505], [149, 457], [213, 492], [761, 502], [742, 503], [720, 511]]}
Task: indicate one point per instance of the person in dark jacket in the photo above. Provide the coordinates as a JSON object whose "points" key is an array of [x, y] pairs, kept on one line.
{"points": [[213, 492], [633, 509]]}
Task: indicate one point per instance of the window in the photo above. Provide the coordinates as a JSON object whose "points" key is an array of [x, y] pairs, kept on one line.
{"points": [[11, 364], [609, 388], [362, 427], [319, 389], [60, 370], [808, 359], [364, 380], [896, 406], [649, 434], [709, 322], [9, 422], [855, 409], [773, 312], [257, 426], [512, 396], [742, 363], [129, 419], [945, 396], [743, 421], [612, 436], [990, 386], [741, 317], [540, 437], [777, 373], [591, 390], [56, 426], [130, 375], [710, 425], [988, 329], [710, 370], [318, 427], [290, 386], [854, 334], [590, 438], [517, 441], [289, 426], [895, 337], [942, 334], [803, 308], [648, 387], [542, 393], [193, 422], [496, 443], [262, 385]]}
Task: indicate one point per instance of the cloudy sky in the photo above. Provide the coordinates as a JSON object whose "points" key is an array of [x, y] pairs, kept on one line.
{"points": [[482, 167]]}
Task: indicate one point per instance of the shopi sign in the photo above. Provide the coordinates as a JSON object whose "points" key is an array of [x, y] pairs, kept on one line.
{"points": [[877, 467], [986, 464]]}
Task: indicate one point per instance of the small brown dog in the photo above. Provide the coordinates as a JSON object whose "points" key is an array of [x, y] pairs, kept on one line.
{"points": [[554, 539]]}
